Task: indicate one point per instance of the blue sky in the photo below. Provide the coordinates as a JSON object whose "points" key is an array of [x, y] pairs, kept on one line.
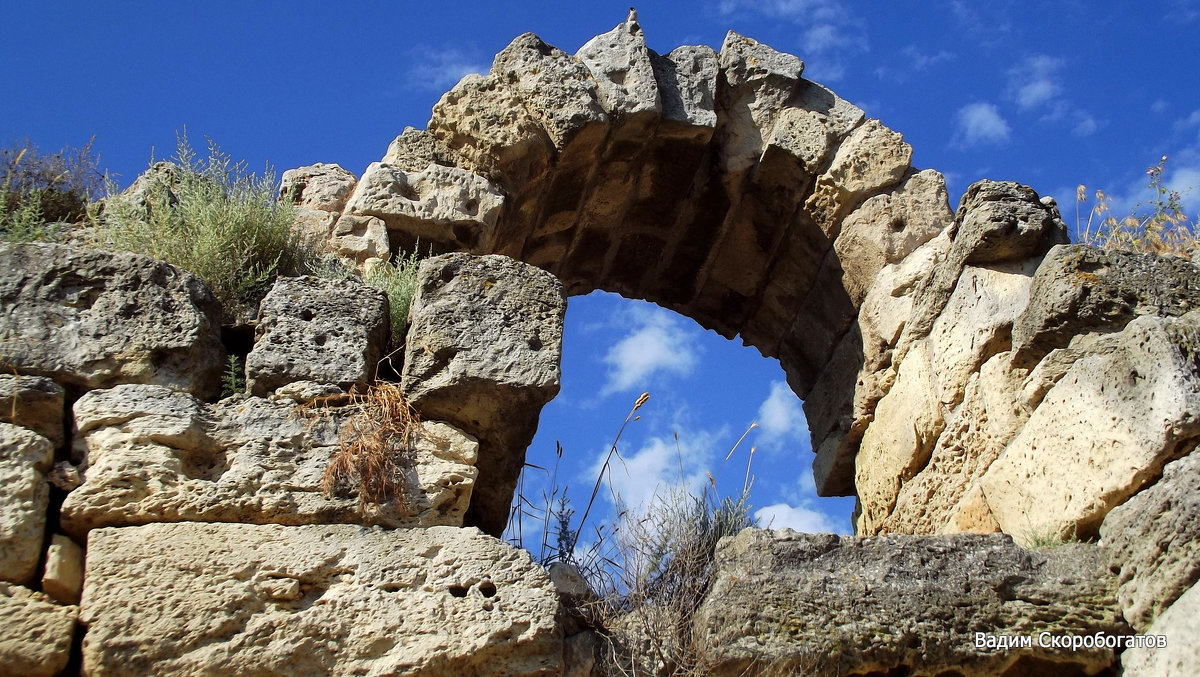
{"points": [[1052, 94]]}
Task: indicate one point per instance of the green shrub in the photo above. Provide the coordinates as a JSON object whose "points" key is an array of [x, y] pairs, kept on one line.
{"points": [[211, 217], [38, 189], [1157, 225], [398, 279]]}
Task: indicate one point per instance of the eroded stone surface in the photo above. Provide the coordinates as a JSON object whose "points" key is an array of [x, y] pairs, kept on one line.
{"points": [[1180, 624], [33, 402], [185, 599], [312, 329], [1153, 541], [322, 186], [94, 319], [36, 641], [483, 353], [156, 455], [25, 457], [829, 605], [63, 578], [1106, 428]]}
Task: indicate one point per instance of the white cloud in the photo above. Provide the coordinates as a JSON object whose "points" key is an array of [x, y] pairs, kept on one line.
{"points": [[659, 343], [1085, 124], [1034, 82], [659, 466], [780, 417], [980, 123], [440, 69], [800, 518]]}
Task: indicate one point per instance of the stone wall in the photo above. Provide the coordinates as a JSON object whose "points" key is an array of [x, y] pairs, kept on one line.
{"points": [[965, 371]]}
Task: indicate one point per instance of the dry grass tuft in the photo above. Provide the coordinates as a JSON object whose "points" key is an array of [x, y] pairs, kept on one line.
{"points": [[375, 448], [1156, 226]]}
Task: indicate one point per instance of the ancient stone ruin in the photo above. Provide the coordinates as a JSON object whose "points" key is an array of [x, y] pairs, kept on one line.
{"points": [[969, 375]]}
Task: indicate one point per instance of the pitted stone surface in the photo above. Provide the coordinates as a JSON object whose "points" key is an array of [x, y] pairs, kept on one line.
{"points": [[94, 319], [25, 457], [323, 186], [34, 402], [483, 353], [36, 641], [789, 603], [311, 329], [186, 599], [1153, 540], [155, 455]]}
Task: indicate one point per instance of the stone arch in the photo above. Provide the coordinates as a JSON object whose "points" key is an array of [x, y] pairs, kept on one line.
{"points": [[721, 185]]}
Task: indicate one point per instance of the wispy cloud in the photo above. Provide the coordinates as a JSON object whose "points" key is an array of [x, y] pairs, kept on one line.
{"points": [[657, 344], [441, 68], [780, 418], [979, 123], [659, 466], [799, 517], [829, 30], [1035, 81]]}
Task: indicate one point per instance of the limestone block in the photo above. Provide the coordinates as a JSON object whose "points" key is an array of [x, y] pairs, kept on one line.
{"points": [[63, 578], [238, 599], [322, 186], [839, 115], [890, 226], [803, 134], [620, 62], [1004, 221], [25, 457], [36, 641], [442, 205], [1080, 289], [33, 402], [759, 81], [829, 605], [313, 329], [155, 455], [687, 82], [976, 323], [535, 99], [94, 319], [415, 149], [871, 159], [1105, 429], [900, 439], [1153, 541], [483, 353], [360, 238], [1181, 656], [314, 225]]}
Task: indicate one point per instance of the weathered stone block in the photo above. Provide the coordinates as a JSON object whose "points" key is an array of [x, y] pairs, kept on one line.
{"points": [[1153, 541], [63, 578], [483, 353], [322, 186], [155, 455], [95, 319], [36, 641], [620, 62], [1102, 432], [1079, 289], [1180, 624], [828, 605], [25, 457], [186, 599], [311, 329], [34, 402]]}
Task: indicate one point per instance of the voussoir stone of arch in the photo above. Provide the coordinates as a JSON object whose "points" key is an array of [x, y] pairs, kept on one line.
{"points": [[483, 353], [871, 159], [687, 81], [444, 206], [93, 319], [244, 599], [152, 454], [621, 64]]}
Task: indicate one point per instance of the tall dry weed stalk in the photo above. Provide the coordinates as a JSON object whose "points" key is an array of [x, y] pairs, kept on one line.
{"points": [[1157, 225]]}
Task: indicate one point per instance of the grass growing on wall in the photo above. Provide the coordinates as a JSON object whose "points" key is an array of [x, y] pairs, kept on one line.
{"points": [[213, 218], [38, 190], [1157, 225]]}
